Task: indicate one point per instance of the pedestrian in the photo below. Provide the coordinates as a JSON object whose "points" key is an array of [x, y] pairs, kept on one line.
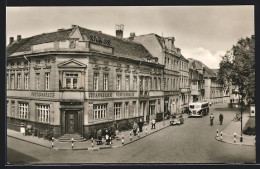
{"points": [[221, 117], [211, 119], [153, 123], [140, 124], [107, 137], [135, 128]]}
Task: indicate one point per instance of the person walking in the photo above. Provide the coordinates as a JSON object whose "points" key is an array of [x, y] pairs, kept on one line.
{"points": [[134, 128], [221, 117], [153, 124], [140, 124], [211, 119]]}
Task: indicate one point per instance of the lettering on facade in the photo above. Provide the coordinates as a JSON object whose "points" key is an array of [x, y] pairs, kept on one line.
{"points": [[43, 94], [99, 40], [99, 95], [124, 94]]}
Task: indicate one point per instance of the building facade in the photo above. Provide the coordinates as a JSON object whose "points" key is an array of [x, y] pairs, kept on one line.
{"points": [[79, 81], [175, 76]]}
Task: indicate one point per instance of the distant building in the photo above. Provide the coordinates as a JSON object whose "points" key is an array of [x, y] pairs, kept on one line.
{"points": [[78, 80], [176, 73]]}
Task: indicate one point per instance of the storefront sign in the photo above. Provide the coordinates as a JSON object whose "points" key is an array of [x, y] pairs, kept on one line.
{"points": [[124, 94], [43, 94], [99, 95]]}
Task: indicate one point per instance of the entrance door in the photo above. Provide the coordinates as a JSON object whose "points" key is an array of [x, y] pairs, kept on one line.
{"points": [[71, 122]]}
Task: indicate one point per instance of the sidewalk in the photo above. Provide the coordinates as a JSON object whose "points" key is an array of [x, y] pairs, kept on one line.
{"points": [[235, 127], [87, 145]]}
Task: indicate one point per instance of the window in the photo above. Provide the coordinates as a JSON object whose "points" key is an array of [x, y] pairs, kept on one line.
{"points": [[12, 63], [155, 83], [13, 109], [18, 81], [7, 87], [118, 82], [105, 81], [47, 81], [134, 82], [164, 83], [43, 113], [71, 80], [95, 81], [134, 108], [23, 110], [37, 81], [152, 107], [37, 61], [12, 81], [18, 63], [159, 85], [117, 110], [126, 109], [26, 81], [25, 62], [47, 60], [127, 82], [99, 111]]}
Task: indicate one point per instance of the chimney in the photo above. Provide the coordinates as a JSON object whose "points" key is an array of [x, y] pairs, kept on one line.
{"points": [[119, 31], [132, 36], [19, 37], [11, 40]]}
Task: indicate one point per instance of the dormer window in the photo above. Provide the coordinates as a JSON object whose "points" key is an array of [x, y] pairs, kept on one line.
{"points": [[72, 44]]}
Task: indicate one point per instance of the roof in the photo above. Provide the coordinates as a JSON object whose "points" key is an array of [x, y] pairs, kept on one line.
{"points": [[122, 48], [199, 65]]}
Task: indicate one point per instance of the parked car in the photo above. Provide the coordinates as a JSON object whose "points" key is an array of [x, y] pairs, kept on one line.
{"points": [[177, 120]]}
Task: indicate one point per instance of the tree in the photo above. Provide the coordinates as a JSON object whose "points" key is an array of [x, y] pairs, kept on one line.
{"points": [[237, 67]]}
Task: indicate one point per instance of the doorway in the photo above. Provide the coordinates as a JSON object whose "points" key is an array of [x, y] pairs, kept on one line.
{"points": [[71, 122]]}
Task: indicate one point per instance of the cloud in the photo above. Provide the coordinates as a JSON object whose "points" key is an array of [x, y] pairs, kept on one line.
{"points": [[210, 59]]}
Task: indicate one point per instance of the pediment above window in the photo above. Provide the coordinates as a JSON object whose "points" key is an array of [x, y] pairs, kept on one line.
{"points": [[72, 64]]}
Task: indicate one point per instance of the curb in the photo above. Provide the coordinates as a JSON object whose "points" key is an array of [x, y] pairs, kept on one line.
{"points": [[241, 144], [29, 141]]}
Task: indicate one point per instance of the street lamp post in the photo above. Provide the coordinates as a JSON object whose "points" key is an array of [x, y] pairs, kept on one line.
{"points": [[241, 111]]}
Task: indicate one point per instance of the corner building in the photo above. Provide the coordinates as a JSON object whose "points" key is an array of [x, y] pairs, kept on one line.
{"points": [[79, 81]]}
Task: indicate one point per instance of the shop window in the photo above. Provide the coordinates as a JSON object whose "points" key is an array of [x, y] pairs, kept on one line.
{"points": [[47, 81], [127, 82], [118, 82], [43, 113], [23, 110], [117, 110], [18, 81], [105, 82], [71, 80], [26, 81], [99, 111], [95, 81]]}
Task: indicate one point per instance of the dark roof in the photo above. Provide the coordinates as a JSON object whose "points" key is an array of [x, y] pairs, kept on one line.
{"points": [[208, 72], [25, 44], [123, 48]]}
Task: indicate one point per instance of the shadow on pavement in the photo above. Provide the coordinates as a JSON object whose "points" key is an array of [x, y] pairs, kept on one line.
{"points": [[17, 158]]}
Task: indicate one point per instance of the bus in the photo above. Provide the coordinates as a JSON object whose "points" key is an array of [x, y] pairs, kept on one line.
{"points": [[199, 109]]}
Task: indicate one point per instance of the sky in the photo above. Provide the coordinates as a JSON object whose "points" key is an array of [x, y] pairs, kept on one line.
{"points": [[204, 33]]}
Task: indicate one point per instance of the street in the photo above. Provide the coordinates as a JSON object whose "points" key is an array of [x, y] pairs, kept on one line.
{"points": [[192, 142]]}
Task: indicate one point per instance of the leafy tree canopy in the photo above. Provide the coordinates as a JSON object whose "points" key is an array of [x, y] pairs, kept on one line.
{"points": [[237, 67]]}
